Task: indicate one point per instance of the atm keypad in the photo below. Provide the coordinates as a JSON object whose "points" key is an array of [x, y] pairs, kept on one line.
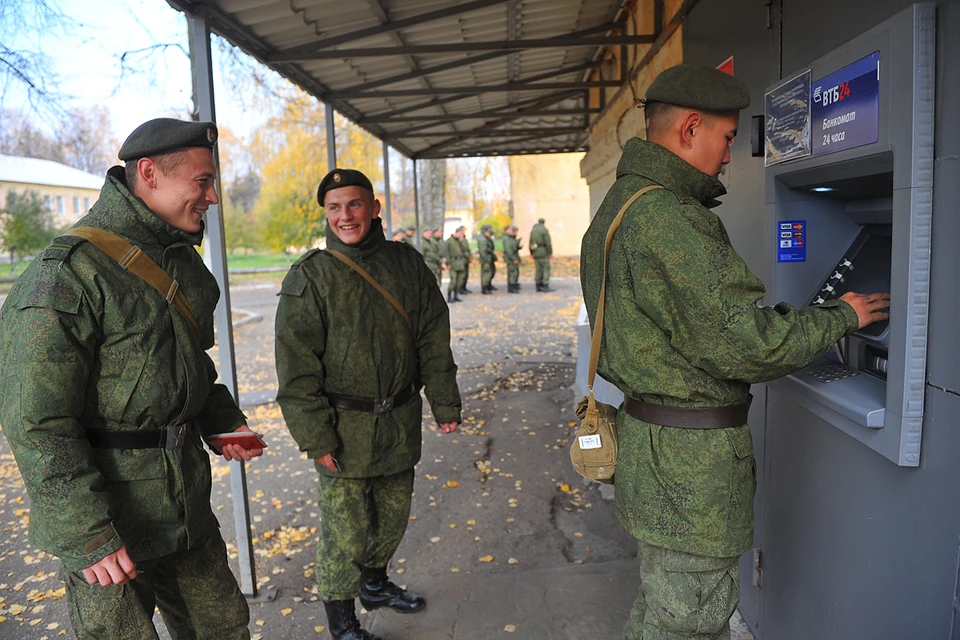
{"points": [[832, 372]]}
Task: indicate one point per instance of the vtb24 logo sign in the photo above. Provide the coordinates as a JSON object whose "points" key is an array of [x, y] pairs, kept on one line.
{"points": [[831, 95]]}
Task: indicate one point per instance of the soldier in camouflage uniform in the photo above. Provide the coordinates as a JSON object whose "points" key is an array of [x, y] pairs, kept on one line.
{"points": [[438, 243], [431, 253], [99, 372], [409, 236], [683, 331], [468, 256], [541, 249], [488, 259], [511, 255], [350, 367], [456, 260], [399, 236]]}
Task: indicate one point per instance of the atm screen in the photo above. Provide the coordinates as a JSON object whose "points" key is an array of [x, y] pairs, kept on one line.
{"points": [[864, 268]]}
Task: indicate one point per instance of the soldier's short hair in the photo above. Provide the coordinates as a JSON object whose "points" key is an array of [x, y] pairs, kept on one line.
{"points": [[166, 162]]}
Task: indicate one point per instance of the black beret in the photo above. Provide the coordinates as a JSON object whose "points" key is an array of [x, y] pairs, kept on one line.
{"points": [[342, 178], [698, 86], [161, 135], [541, 220]]}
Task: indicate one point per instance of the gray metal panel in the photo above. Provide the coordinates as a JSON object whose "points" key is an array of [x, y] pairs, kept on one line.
{"points": [[856, 548]]}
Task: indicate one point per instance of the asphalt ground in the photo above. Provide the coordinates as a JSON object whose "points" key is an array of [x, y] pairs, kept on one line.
{"points": [[505, 540]]}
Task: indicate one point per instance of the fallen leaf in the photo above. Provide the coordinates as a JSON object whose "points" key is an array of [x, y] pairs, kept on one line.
{"points": [[510, 628], [453, 484], [512, 561], [487, 558], [319, 628], [286, 612]]}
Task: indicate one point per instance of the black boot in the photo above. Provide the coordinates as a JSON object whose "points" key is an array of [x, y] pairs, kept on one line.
{"points": [[376, 591], [343, 623], [465, 291], [491, 287], [547, 288], [485, 291], [513, 288], [539, 287], [452, 297]]}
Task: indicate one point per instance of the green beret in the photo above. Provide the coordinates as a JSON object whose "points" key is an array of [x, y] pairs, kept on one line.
{"points": [[161, 135], [342, 178], [698, 86]]}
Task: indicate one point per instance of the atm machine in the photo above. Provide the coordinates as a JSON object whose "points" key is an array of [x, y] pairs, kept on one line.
{"points": [[849, 154]]}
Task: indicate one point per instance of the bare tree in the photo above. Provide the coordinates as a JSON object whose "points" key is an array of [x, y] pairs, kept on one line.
{"points": [[87, 141], [25, 71], [18, 137]]}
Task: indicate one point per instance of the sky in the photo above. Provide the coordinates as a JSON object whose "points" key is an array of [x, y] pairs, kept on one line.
{"points": [[87, 61]]}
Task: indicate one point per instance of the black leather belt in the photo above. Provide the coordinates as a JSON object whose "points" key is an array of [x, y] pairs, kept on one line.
{"points": [[368, 405], [689, 417], [169, 438]]}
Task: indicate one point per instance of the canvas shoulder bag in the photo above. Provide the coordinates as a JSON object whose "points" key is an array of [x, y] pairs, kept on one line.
{"points": [[594, 449]]}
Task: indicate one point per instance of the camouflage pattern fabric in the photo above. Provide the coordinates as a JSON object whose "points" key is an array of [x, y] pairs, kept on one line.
{"points": [[488, 259], [683, 596], [511, 255], [195, 591], [336, 333], [362, 522], [542, 271], [456, 262], [431, 256], [87, 344], [540, 245], [465, 276], [682, 328]]}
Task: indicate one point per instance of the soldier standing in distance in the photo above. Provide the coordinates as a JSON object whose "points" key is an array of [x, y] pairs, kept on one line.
{"points": [[511, 255], [541, 249], [456, 261], [409, 235], [350, 366], [488, 259], [684, 339], [399, 236], [107, 390], [468, 255], [431, 253], [438, 244]]}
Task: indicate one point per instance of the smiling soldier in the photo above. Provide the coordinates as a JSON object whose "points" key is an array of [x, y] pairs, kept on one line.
{"points": [[361, 327], [106, 391]]}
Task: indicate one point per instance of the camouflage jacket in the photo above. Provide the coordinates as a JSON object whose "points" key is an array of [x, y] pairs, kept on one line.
{"points": [[467, 252], [453, 253], [87, 344], [540, 246], [336, 333], [431, 253], [511, 249], [485, 249], [683, 328]]}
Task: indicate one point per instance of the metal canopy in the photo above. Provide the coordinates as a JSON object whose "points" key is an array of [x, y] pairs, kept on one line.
{"points": [[440, 78]]}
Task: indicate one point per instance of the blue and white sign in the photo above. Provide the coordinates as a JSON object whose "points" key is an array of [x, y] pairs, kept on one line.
{"points": [[846, 107], [792, 241]]}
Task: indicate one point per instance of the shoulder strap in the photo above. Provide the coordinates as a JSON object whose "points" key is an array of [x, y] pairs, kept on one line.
{"points": [[598, 324], [376, 285], [139, 263]]}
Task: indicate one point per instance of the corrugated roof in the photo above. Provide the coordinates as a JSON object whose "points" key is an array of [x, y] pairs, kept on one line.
{"points": [[46, 172], [439, 78]]}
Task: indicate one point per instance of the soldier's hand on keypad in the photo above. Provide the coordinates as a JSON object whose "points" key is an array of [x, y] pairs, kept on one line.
{"points": [[870, 308]]}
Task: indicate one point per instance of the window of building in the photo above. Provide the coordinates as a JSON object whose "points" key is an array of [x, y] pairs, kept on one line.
{"points": [[86, 204], [59, 204], [46, 202], [76, 204]]}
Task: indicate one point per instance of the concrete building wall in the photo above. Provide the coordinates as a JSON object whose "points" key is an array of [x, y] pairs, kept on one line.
{"points": [[68, 204], [550, 187]]}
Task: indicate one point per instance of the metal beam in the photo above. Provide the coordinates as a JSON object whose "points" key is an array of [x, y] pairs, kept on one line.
{"points": [[473, 90], [565, 42], [496, 133], [216, 258], [386, 187], [427, 153], [429, 104], [420, 72], [392, 26], [499, 113], [416, 203], [331, 137]]}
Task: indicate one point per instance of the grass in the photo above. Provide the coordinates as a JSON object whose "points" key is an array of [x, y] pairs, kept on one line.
{"points": [[259, 260]]}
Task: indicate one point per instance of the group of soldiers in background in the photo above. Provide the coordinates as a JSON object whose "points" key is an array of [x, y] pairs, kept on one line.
{"points": [[455, 255]]}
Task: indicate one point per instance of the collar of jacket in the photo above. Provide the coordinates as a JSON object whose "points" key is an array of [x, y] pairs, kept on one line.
{"points": [[121, 212], [664, 167], [374, 240]]}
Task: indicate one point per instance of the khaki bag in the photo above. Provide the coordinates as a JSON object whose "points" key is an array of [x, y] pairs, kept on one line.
{"points": [[594, 449]]}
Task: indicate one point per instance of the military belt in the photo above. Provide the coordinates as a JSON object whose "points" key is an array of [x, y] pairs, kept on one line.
{"points": [[170, 438], [689, 417], [373, 405]]}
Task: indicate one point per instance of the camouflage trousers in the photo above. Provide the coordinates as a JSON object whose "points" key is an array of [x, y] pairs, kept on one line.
{"points": [[487, 271], [195, 590], [513, 273], [362, 521], [457, 280], [683, 596], [543, 270]]}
